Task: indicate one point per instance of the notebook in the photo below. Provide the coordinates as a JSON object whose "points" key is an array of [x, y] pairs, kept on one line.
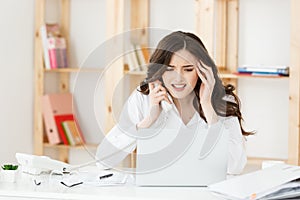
{"points": [[184, 156]]}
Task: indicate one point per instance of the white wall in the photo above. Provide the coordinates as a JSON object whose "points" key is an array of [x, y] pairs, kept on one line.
{"points": [[16, 77], [264, 38], [260, 42], [171, 16]]}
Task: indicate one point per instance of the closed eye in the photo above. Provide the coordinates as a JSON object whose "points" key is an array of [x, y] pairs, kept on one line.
{"points": [[189, 69]]}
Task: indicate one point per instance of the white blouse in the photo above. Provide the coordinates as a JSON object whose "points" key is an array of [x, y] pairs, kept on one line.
{"points": [[121, 140]]}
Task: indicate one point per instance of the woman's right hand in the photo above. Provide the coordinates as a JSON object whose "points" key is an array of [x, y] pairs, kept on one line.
{"points": [[157, 93]]}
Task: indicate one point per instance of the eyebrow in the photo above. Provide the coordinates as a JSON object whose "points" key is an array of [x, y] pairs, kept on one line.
{"points": [[184, 66]]}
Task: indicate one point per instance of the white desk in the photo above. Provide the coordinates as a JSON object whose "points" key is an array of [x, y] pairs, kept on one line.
{"points": [[22, 190]]}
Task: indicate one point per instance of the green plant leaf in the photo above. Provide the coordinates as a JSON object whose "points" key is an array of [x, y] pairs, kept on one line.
{"points": [[9, 167]]}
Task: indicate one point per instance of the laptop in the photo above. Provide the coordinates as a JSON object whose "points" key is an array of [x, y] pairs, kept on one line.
{"points": [[183, 156]]}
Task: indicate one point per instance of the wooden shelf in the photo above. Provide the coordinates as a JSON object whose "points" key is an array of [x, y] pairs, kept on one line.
{"points": [[238, 76], [135, 72], [73, 70], [62, 146], [262, 76], [223, 75], [228, 76]]}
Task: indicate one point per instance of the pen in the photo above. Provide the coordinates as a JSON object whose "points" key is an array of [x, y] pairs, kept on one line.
{"points": [[105, 176], [71, 185]]}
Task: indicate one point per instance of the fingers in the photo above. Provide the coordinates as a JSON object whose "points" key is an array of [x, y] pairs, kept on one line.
{"points": [[155, 85], [158, 92], [205, 73], [161, 98], [203, 79], [162, 95], [151, 86]]}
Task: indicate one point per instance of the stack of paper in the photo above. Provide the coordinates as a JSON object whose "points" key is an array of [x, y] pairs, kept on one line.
{"points": [[275, 182], [264, 70]]}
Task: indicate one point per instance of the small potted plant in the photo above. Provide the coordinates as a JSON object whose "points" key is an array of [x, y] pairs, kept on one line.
{"points": [[9, 172]]}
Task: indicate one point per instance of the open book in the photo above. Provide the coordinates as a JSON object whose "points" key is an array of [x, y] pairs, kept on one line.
{"points": [[277, 182]]}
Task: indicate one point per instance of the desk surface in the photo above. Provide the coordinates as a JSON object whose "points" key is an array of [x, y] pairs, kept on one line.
{"points": [[16, 191], [26, 189]]}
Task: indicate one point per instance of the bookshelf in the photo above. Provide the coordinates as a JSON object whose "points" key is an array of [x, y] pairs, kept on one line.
{"points": [[223, 45], [226, 47], [112, 75], [72, 70], [294, 90], [63, 74]]}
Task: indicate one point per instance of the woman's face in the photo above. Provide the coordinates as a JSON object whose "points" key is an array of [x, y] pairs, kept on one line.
{"points": [[181, 77]]}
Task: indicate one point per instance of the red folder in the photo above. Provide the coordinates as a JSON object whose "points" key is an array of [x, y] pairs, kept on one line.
{"points": [[59, 119]]}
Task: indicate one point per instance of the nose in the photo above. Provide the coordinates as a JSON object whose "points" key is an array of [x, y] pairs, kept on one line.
{"points": [[179, 76]]}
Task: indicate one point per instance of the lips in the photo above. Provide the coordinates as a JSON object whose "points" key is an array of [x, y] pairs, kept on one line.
{"points": [[178, 87]]}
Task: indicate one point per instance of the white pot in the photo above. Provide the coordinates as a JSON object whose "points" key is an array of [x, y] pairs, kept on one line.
{"points": [[9, 175]]}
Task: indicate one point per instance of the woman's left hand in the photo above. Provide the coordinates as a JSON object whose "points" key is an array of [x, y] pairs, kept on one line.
{"points": [[206, 75]]}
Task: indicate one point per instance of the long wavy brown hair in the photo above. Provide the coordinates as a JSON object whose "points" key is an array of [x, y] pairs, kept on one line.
{"points": [[161, 57]]}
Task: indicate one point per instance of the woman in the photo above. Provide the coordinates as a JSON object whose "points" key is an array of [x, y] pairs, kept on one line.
{"points": [[182, 74]]}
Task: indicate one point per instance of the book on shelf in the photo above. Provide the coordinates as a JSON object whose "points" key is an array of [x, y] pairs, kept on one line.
{"points": [[262, 74], [74, 136], [68, 121], [54, 47], [141, 58], [67, 132], [146, 53], [132, 62], [43, 33], [264, 70], [52, 53], [138, 58], [61, 52], [56, 109]]}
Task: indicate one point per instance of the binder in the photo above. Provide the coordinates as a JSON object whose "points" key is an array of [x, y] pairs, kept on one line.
{"points": [[54, 105], [277, 182], [59, 119]]}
